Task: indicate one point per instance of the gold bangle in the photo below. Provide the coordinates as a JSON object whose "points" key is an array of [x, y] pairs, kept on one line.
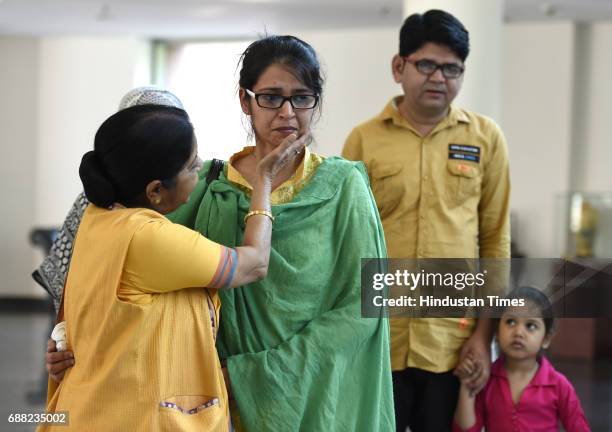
{"points": [[258, 212]]}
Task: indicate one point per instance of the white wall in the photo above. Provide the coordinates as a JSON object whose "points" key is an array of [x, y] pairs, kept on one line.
{"points": [[208, 90], [357, 67], [56, 92], [81, 82], [536, 118], [18, 119], [598, 145]]}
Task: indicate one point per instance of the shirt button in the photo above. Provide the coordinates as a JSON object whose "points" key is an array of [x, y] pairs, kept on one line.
{"points": [[425, 178]]}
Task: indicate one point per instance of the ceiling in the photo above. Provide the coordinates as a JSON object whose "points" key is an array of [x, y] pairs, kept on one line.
{"points": [[239, 18]]}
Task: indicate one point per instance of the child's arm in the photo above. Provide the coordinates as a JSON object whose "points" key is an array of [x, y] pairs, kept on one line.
{"points": [[570, 411], [466, 418], [465, 414]]}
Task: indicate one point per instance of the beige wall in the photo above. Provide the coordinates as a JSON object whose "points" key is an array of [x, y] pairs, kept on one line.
{"points": [[18, 119], [599, 137], [56, 92], [81, 82], [536, 118], [357, 67]]}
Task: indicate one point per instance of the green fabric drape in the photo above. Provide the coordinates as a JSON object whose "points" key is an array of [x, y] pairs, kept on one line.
{"points": [[299, 355]]}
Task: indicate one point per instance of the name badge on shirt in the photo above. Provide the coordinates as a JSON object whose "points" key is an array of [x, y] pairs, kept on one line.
{"points": [[464, 152]]}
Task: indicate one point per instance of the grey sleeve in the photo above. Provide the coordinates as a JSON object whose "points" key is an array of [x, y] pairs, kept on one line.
{"points": [[51, 274]]}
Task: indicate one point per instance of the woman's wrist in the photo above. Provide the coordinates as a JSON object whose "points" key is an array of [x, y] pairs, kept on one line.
{"points": [[262, 189], [262, 180]]}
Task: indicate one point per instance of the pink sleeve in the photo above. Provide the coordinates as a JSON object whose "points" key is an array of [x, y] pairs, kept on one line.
{"points": [[570, 411], [479, 408]]}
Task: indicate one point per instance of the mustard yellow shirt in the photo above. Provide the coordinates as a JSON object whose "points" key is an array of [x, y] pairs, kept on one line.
{"points": [[444, 195], [142, 327]]}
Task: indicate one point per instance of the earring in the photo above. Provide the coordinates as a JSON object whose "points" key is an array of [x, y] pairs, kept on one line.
{"points": [[157, 201]]}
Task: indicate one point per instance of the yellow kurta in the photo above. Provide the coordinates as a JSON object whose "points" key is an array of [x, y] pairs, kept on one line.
{"points": [[143, 340]]}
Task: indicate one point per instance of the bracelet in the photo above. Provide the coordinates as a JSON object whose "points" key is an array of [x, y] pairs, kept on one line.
{"points": [[258, 212]]}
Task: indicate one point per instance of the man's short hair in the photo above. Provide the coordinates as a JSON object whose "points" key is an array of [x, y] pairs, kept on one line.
{"points": [[434, 26]]}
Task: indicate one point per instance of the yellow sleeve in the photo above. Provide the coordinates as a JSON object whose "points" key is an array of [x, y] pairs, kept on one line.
{"points": [[494, 207], [165, 257], [352, 147]]}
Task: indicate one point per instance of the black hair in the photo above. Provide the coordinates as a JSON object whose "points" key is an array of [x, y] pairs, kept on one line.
{"points": [[132, 148], [435, 26], [537, 298], [285, 50]]}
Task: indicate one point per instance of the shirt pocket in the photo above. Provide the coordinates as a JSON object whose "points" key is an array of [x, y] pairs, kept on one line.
{"points": [[462, 182], [387, 186], [192, 412]]}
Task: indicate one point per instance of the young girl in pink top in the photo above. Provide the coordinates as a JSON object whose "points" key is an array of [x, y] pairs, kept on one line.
{"points": [[524, 392]]}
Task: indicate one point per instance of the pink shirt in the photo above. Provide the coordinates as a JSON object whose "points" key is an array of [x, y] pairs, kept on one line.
{"points": [[548, 398]]}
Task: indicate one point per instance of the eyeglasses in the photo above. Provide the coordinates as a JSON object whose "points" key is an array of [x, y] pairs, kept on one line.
{"points": [[275, 101], [429, 67]]}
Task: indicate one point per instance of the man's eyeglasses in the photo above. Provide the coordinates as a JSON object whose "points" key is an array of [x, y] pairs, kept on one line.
{"points": [[429, 67], [274, 101]]}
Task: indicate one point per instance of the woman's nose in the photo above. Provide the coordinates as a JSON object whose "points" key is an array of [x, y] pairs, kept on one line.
{"points": [[286, 109]]}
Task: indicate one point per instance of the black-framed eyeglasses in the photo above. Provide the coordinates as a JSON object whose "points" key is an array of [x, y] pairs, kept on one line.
{"points": [[429, 67], [275, 101]]}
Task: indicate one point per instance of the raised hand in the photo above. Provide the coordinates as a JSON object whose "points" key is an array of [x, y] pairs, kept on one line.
{"points": [[285, 153]]}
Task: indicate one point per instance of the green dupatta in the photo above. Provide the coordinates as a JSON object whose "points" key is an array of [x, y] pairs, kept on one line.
{"points": [[299, 355]]}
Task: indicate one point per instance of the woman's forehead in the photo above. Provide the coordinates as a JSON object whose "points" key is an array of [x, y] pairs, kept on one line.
{"points": [[280, 76]]}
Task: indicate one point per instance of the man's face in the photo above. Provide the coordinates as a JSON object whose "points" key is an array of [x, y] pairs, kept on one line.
{"points": [[428, 94]]}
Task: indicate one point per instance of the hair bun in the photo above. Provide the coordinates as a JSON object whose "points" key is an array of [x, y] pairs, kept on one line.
{"points": [[98, 188]]}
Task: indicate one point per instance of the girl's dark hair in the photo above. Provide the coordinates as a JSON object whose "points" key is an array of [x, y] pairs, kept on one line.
{"points": [[285, 50], [434, 26], [132, 148], [540, 300]]}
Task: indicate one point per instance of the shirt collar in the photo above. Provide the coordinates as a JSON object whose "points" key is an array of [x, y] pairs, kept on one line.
{"points": [[545, 376], [391, 113], [234, 176], [286, 191]]}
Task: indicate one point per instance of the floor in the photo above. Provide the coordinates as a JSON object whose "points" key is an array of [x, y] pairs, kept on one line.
{"points": [[23, 340]]}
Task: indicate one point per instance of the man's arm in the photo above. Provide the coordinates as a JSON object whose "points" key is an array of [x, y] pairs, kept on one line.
{"points": [[494, 206], [494, 242], [352, 149]]}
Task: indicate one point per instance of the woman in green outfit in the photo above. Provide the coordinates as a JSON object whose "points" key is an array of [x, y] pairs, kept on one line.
{"points": [[298, 353]]}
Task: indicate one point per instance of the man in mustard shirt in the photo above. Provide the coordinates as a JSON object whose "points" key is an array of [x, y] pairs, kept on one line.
{"points": [[441, 181]]}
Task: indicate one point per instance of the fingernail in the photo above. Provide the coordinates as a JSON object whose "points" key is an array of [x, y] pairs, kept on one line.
{"points": [[71, 362]]}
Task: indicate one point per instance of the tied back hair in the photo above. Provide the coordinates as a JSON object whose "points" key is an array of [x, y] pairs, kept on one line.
{"points": [[132, 148]]}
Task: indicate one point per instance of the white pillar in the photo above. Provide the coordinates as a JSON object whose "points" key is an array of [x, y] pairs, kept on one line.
{"points": [[483, 19], [580, 144]]}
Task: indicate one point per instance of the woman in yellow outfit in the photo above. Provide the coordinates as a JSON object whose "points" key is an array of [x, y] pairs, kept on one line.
{"points": [[138, 317]]}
